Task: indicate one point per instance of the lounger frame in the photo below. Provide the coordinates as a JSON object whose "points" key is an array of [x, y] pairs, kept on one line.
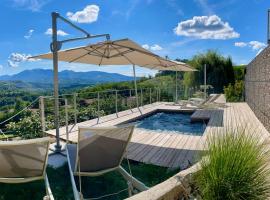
{"points": [[35, 178], [129, 178]]}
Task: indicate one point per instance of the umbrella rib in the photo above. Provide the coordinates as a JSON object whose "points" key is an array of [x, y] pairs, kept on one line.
{"points": [[123, 55], [108, 50], [96, 50], [119, 54], [88, 53], [103, 55], [133, 49]]}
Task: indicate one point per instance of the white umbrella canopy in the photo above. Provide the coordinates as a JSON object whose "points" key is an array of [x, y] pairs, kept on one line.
{"points": [[118, 52]]}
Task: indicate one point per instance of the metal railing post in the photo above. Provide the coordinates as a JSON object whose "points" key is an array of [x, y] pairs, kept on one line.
{"points": [[116, 104], [150, 96], [98, 104], [75, 108], [157, 94], [66, 120], [141, 97], [42, 113], [130, 95]]}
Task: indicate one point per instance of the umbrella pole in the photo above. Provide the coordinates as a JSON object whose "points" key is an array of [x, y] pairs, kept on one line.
{"points": [[55, 79], [136, 91]]}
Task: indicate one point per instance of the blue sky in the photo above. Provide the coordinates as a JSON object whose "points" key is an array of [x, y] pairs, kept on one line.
{"points": [[174, 28]]}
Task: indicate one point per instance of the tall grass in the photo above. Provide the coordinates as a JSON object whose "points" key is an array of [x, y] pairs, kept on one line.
{"points": [[236, 167]]}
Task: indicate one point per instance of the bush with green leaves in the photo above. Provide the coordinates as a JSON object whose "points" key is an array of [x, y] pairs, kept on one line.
{"points": [[236, 167], [27, 127], [234, 93]]}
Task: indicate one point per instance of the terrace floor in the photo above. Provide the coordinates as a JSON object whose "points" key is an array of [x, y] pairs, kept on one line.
{"points": [[175, 150]]}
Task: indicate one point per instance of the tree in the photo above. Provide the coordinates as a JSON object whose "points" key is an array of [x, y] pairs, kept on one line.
{"points": [[218, 68]]}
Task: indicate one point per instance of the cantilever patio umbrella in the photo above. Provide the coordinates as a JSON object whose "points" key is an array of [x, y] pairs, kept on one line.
{"points": [[118, 52]]}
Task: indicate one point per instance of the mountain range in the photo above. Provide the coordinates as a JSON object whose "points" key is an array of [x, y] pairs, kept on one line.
{"points": [[42, 79], [67, 78]]}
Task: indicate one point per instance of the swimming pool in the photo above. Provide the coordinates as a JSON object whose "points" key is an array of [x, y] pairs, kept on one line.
{"points": [[170, 122]]}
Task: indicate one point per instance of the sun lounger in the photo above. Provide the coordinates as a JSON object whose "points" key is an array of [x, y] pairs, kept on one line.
{"points": [[100, 150], [25, 161]]}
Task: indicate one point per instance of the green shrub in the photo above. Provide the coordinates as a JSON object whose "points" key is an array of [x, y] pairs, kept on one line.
{"points": [[235, 168], [27, 127], [234, 93]]}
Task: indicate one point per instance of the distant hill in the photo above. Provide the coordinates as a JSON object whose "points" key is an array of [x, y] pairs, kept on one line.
{"points": [[44, 78]]}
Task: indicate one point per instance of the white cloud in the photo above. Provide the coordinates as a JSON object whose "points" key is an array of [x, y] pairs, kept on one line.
{"points": [[29, 34], [206, 27], [1, 67], [16, 58], [33, 5], [88, 15], [146, 46], [255, 45], [154, 47], [59, 32], [240, 44]]}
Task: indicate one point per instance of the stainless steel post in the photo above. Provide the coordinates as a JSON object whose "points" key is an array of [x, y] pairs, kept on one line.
{"points": [[116, 103], [159, 94], [136, 92], [42, 114], [130, 95], [55, 79], [66, 120], [141, 97], [156, 94], [150, 96], [75, 108], [98, 100]]}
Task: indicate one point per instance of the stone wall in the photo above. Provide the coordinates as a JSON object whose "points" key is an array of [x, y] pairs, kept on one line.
{"points": [[257, 86]]}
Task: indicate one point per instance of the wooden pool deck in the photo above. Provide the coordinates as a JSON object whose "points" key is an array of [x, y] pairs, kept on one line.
{"points": [[175, 150]]}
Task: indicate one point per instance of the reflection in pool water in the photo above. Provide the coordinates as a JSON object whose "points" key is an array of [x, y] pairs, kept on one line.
{"points": [[171, 122]]}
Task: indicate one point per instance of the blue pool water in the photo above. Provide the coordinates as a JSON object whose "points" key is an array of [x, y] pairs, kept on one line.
{"points": [[171, 122]]}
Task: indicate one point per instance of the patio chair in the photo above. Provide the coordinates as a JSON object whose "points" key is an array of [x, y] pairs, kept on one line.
{"points": [[98, 151], [25, 161]]}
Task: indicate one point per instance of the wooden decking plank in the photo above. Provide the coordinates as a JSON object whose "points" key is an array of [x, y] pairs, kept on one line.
{"points": [[165, 153], [139, 136], [142, 141], [151, 149], [161, 151], [193, 152], [139, 153], [146, 148], [170, 152], [181, 160], [155, 149], [179, 150]]}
